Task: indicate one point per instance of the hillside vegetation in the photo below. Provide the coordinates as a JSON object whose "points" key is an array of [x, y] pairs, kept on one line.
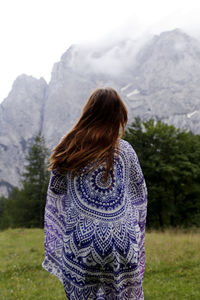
{"points": [[170, 161]]}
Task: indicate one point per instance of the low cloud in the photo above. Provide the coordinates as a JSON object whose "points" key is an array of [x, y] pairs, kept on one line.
{"points": [[107, 56]]}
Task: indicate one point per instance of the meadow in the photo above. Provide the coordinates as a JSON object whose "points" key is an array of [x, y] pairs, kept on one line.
{"points": [[172, 266]]}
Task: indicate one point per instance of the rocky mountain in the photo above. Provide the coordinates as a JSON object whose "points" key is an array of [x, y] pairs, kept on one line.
{"points": [[21, 117], [157, 78], [166, 81]]}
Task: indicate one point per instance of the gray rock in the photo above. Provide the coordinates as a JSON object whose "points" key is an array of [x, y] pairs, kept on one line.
{"points": [[21, 115], [159, 78]]}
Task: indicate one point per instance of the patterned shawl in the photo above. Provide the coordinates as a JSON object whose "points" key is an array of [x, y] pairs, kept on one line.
{"points": [[94, 234]]}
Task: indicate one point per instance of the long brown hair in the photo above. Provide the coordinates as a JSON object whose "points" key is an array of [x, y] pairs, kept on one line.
{"points": [[95, 135]]}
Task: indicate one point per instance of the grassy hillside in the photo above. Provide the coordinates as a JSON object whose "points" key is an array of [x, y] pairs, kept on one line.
{"points": [[172, 266]]}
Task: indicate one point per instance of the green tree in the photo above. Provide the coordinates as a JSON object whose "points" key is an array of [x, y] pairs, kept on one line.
{"points": [[25, 207], [170, 160], [3, 202], [35, 181]]}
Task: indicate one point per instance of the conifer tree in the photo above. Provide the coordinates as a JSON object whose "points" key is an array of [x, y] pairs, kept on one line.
{"points": [[25, 207], [35, 181]]}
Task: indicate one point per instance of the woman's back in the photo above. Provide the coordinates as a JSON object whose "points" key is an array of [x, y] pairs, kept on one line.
{"points": [[94, 231]]}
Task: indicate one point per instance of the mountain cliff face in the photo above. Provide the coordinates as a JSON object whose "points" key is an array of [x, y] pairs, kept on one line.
{"points": [[166, 80], [21, 117], [159, 78]]}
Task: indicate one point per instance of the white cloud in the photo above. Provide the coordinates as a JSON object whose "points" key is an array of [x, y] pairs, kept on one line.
{"points": [[34, 33]]}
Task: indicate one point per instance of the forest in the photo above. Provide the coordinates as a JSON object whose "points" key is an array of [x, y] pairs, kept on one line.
{"points": [[170, 160]]}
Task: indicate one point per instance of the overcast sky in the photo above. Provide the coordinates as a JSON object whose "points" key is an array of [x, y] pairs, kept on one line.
{"points": [[35, 33]]}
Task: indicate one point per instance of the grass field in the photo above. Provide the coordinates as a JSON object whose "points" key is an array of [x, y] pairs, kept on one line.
{"points": [[172, 266]]}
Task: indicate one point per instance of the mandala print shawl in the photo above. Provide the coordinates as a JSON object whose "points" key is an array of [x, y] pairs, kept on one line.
{"points": [[94, 234]]}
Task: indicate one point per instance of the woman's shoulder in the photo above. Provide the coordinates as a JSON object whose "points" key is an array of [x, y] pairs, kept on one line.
{"points": [[57, 182], [126, 147], [124, 143]]}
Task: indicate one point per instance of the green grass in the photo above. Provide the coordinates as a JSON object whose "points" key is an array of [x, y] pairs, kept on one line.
{"points": [[172, 266]]}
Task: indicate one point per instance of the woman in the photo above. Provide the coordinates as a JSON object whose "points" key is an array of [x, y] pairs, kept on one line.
{"points": [[96, 207]]}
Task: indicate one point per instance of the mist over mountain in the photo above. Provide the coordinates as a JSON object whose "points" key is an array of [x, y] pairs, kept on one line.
{"points": [[158, 77]]}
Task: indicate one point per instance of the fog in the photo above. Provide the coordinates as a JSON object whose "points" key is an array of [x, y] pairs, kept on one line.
{"points": [[34, 34], [108, 57]]}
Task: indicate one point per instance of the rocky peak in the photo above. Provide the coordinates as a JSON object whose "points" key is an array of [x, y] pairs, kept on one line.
{"points": [[168, 59], [176, 45], [158, 79], [22, 107], [21, 118]]}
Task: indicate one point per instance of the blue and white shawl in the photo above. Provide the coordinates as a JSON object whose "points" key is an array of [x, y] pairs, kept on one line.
{"points": [[94, 234]]}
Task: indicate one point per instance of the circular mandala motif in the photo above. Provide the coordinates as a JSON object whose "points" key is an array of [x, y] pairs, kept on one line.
{"points": [[93, 196]]}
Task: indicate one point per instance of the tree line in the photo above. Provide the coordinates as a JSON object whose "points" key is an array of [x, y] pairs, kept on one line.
{"points": [[25, 207], [170, 160]]}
